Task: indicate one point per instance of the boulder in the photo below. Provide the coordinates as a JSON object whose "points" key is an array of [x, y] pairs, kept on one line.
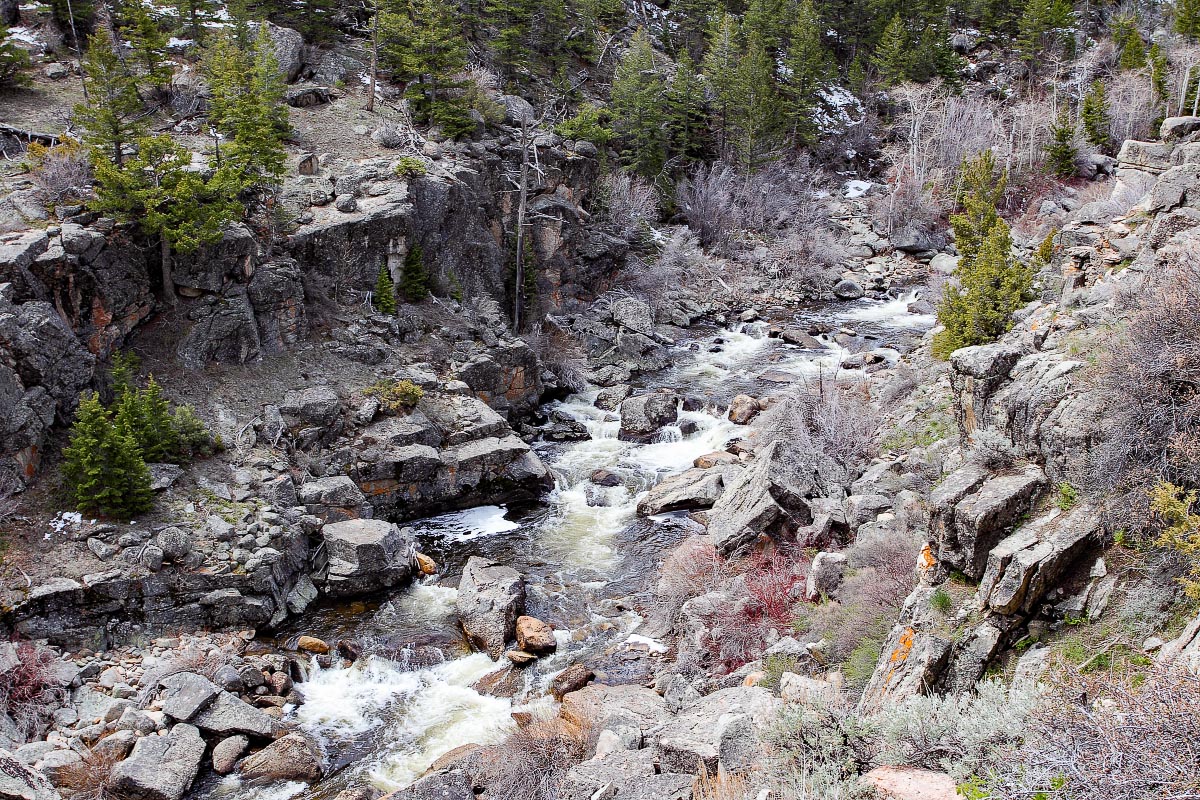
{"points": [[226, 753], [691, 489], [535, 636], [21, 782], [825, 575], [1173, 128], [795, 688], [772, 496], [490, 598], [228, 714], [846, 289], [365, 555], [293, 757], [450, 784], [289, 48], [601, 707], [910, 783], [644, 415], [604, 773], [719, 730], [610, 399], [318, 406], [187, 694], [743, 409], [160, 767], [517, 110], [969, 514], [311, 644], [1184, 650], [910, 663], [571, 679]]}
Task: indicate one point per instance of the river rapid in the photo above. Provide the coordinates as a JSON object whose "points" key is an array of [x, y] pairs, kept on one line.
{"points": [[585, 554]]}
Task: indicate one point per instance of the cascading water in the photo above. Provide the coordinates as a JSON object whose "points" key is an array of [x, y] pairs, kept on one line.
{"points": [[383, 721]]}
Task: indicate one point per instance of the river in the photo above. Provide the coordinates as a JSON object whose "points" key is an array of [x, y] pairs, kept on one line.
{"points": [[585, 554]]}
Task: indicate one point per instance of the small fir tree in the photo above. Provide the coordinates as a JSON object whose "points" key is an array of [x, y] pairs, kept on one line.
{"points": [[760, 119], [1094, 115], [111, 119], [384, 297], [894, 54], [809, 66], [414, 280], [1159, 73], [1046, 25], [991, 285], [1061, 152], [639, 112], [1187, 18], [157, 436], [687, 119], [1129, 40], [102, 465], [148, 48], [720, 68], [14, 62], [423, 44]]}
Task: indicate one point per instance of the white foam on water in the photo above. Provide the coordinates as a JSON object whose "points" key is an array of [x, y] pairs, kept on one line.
{"points": [[893, 313], [462, 526]]}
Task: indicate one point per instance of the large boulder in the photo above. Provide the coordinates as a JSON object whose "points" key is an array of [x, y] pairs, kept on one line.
{"points": [[228, 714], [691, 489], [721, 730], [365, 555], [643, 416], [970, 513], [293, 757], [490, 598], [186, 695], [772, 496], [288, 48], [160, 767], [21, 782], [910, 663]]}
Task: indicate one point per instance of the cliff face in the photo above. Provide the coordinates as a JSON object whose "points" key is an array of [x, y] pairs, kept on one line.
{"points": [[75, 292]]}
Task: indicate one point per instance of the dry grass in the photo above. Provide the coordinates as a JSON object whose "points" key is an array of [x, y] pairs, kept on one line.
{"points": [[27, 690], [721, 786], [533, 761], [88, 780]]}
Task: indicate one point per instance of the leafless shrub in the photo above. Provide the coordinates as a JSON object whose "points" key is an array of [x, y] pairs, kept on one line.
{"points": [[910, 207], [88, 779], [808, 257], [991, 449], [902, 384], [62, 172], [185, 99], [28, 689], [629, 203], [690, 570], [833, 417], [723, 206], [1133, 109], [721, 786], [561, 353], [532, 763], [1104, 737], [1149, 381], [887, 568]]}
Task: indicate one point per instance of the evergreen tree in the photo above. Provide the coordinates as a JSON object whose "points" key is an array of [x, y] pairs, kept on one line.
{"points": [[414, 280], [894, 55], [1129, 40], [103, 466], [991, 284], [384, 297], [158, 189], [766, 21], [111, 119], [13, 62], [1046, 25], [156, 434], [246, 107], [423, 45], [1187, 18], [148, 48], [1159, 72], [193, 14], [1061, 152], [639, 111], [123, 374], [1095, 118], [934, 58], [808, 65], [687, 121], [692, 21], [720, 68], [759, 121]]}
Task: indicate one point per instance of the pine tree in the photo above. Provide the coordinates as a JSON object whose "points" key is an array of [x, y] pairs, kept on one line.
{"points": [[103, 466], [760, 119], [692, 21], [991, 284], [809, 66], [1045, 25], [687, 121], [111, 119], [1187, 18], [934, 58], [638, 107], [158, 189], [894, 55], [1061, 152], [193, 14], [766, 20], [1129, 40], [423, 44], [720, 68], [123, 374], [246, 107], [157, 437], [13, 62], [598, 17], [384, 297], [148, 48], [414, 280], [1095, 117]]}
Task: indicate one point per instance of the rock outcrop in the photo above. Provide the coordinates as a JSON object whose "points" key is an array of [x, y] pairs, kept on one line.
{"points": [[490, 598]]}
